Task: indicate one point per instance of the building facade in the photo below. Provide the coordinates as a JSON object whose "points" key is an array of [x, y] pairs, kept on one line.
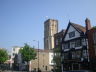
{"points": [[75, 47], [58, 39], [92, 43], [16, 59], [92, 48], [15, 51], [50, 28], [45, 61]]}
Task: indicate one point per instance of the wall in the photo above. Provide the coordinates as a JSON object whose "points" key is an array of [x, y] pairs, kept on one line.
{"points": [[71, 28], [43, 61], [91, 43]]}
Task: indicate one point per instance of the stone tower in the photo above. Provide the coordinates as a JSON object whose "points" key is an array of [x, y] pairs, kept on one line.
{"points": [[50, 28]]}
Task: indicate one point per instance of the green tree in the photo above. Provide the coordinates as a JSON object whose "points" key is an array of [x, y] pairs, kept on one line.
{"points": [[57, 59], [94, 27], [3, 56], [28, 53]]}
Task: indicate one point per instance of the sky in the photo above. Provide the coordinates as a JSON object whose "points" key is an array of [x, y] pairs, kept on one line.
{"points": [[22, 21]]}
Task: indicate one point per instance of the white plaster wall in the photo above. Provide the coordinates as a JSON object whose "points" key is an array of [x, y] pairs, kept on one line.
{"points": [[51, 55], [71, 28]]}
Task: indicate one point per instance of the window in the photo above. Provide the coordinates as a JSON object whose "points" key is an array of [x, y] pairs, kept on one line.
{"points": [[13, 54], [46, 68], [72, 44], [78, 54], [65, 55], [83, 42], [73, 55], [71, 34], [78, 43], [66, 46], [84, 53]]}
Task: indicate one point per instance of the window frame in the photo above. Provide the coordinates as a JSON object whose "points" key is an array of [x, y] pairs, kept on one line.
{"points": [[66, 54], [78, 43], [72, 34], [66, 46], [72, 44]]}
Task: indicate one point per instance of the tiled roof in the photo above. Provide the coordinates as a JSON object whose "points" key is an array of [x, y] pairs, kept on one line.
{"points": [[79, 27]]}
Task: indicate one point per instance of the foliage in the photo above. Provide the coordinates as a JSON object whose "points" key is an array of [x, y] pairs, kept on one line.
{"points": [[57, 58], [3, 56], [16, 64], [94, 27], [57, 50], [28, 53]]}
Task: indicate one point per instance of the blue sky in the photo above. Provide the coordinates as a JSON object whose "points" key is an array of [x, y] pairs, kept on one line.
{"points": [[22, 21]]}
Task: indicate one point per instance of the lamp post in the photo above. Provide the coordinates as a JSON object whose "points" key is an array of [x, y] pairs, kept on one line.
{"points": [[38, 53]]}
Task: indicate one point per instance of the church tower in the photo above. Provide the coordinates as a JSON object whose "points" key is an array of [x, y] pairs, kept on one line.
{"points": [[50, 28]]}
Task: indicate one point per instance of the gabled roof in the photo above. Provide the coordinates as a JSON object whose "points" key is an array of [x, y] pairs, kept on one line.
{"points": [[78, 27]]}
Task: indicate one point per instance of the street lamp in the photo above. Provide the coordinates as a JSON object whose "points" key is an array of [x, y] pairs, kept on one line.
{"points": [[38, 53]]}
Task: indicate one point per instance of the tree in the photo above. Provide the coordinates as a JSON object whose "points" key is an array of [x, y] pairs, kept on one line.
{"points": [[28, 53], [94, 27], [3, 56], [57, 59]]}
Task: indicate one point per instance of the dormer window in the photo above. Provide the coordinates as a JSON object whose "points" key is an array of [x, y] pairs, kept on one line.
{"points": [[71, 34]]}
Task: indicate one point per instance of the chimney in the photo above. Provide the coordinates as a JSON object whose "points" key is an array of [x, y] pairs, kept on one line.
{"points": [[88, 24]]}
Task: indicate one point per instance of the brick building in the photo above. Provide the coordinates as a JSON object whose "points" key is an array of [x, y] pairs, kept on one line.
{"points": [[92, 48], [92, 43]]}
